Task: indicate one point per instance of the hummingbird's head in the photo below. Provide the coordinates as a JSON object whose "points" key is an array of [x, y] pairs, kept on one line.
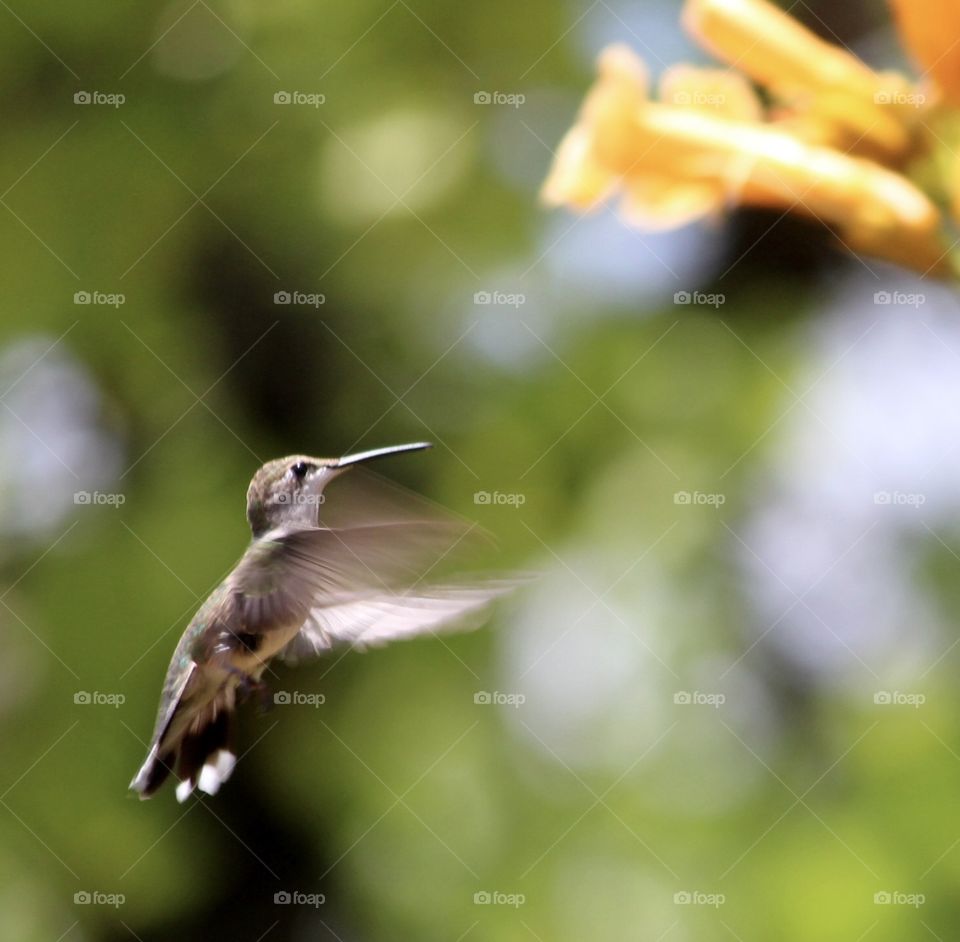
{"points": [[287, 492]]}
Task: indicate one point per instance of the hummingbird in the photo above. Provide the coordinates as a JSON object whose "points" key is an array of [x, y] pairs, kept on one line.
{"points": [[302, 586]]}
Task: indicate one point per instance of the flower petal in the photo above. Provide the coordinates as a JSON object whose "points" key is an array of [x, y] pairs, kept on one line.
{"points": [[930, 30]]}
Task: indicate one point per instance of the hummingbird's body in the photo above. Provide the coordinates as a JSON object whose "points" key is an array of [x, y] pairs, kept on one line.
{"points": [[299, 588]]}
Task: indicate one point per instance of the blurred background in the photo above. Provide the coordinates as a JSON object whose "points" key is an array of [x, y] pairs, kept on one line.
{"points": [[726, 709]]}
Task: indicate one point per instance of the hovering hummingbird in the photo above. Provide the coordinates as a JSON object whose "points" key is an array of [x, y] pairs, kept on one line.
{"points": [[300, 587]]}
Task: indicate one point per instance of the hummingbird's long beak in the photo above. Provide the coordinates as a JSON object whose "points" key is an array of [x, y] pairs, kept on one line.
{"points": [[362, 456]]}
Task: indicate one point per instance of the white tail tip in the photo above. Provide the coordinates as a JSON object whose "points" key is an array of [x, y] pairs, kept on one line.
{"points": [[184, 790], [214, 774]]}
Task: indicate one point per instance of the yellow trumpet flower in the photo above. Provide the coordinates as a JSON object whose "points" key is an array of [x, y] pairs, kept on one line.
{"points": [[860, 107], [930, 30], [832, 147]]}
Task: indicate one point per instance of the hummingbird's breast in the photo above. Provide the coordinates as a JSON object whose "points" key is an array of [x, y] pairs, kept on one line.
{"points": [[250, 653], [220, 634]]}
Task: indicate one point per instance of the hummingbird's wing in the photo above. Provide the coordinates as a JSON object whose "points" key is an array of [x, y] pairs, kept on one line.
{"points": [[288, 573], [376, 619], [362, 585]]}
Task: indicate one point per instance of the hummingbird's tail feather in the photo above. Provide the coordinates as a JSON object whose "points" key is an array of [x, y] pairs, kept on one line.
{"points": [[153, 773], [205, 756], [197, 748]]}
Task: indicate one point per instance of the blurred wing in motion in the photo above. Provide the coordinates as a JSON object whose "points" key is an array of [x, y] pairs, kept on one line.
{"points": [[362, 496], [287, 573], [364, 582], [376, 619]]}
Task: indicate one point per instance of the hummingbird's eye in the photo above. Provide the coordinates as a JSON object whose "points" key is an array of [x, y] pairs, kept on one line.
{"points": [[300, 470]]}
